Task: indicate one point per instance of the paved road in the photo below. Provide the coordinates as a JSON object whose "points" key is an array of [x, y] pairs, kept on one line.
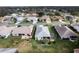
{"points": [[8, 50]]}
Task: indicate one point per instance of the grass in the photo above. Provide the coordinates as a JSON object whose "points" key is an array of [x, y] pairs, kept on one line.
{"points": [[34, 46], [54, 32], [9, 42], [5, 43], [64, 47], [24, 46]]}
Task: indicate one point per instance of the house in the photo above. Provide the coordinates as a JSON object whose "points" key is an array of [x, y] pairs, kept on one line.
{"points": [[71, 18], [8, 50], [42, 32], [56, 18], [24, 31], [35, 14], [68, 16], [76, 27], [45, 18], [65, 33], [10, 19], [76, 50], [6, 19], [5, 31], [19, 19], [31, 14], [32, 19]]}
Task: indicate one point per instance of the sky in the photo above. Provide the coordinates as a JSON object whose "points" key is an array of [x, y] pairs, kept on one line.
{"points": [[39, 3]]}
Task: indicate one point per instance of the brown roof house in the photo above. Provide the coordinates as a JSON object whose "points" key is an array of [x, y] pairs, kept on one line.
{"points": [[24, 31], [45, 18], [31, 14], [56, 18]]}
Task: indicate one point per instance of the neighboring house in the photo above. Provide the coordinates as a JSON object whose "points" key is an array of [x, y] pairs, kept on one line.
{"points": [[6, 19], [71, 18], [42, 32], [56, 18], [76, 27], [5, 31], [31, 14], [34, 14], [8, 50], [32, 19], [45, 18], [19, 19], [65, 33], [24, 31], [76, 50], [12, 18]]}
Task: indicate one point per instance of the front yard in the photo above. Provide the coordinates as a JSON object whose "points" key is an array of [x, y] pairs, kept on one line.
{"points": [[60, 46], [36, 46], [9, 42]]}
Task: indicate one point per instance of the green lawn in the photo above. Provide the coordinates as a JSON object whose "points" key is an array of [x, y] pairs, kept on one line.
{"points": [[59, 46], [54, 32], [37, 46], [9, 42]]}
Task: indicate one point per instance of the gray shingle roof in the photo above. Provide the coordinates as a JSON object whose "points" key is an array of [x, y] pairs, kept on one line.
{"points": [[64, 31], [42, 31]]}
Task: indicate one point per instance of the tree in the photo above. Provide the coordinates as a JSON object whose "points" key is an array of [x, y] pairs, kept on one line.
{"points": [[57, 14], [50, 14], [76, 44], [76, 13], [41, 14]]}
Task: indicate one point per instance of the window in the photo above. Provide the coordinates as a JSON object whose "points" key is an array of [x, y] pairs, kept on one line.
{"points": [[44, 20], [73, 37], [31, 20], [48, 37], [28, 34], [65, 38], [21, 34]]}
